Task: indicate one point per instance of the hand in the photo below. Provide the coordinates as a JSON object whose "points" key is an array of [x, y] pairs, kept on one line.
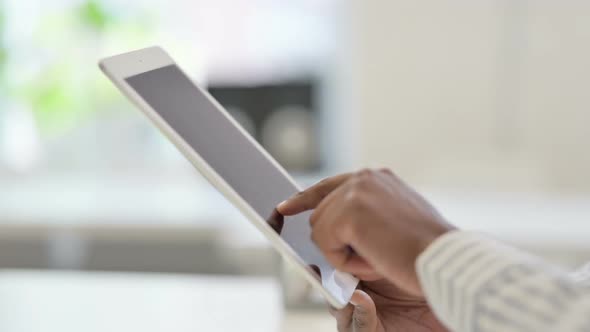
{"points": [[380, 307], [370, 223]]}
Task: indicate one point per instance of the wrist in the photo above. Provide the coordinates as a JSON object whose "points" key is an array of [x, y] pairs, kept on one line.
{"points": [[436, 230]]}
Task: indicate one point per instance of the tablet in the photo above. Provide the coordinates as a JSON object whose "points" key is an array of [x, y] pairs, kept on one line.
{"points": [[228, 157]]}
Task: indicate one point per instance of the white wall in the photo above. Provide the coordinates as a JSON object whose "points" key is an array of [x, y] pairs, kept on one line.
{"points": [[488, 94]]}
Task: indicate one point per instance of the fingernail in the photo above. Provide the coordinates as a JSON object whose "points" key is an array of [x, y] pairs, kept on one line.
{"points": [[282, 204], [354, 303]]}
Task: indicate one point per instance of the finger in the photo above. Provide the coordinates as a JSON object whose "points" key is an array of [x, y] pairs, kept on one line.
{"points": [[343, 317], [360, 268], [339, 252], [330, 225], [364, 315], [326, 235], [334, 235], [311, 197], [327, 203]]}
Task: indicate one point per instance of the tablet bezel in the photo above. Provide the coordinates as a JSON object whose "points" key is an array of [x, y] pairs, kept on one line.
{"points": [[119, 67]]}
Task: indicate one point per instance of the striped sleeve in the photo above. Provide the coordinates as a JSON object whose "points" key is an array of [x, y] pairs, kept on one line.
{"points": [[474, 283]]}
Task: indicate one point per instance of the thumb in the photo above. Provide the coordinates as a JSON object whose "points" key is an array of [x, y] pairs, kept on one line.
{"points": [[364, 315]]}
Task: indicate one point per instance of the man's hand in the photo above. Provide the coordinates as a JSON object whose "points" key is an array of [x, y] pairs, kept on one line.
{"points": [[380, 307], [370, 223]]}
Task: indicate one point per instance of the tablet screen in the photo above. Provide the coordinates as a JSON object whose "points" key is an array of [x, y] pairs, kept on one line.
{"points": [[239, 162]]}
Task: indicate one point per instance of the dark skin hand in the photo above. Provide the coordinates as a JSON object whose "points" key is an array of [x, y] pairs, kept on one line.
{"points": [[371, 224], [380, 306]]}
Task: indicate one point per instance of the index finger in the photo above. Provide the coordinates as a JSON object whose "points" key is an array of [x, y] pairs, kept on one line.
{"points": [[312, 196]]}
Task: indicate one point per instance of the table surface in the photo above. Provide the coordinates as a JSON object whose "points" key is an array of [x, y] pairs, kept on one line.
{"points": [[40, 301]]}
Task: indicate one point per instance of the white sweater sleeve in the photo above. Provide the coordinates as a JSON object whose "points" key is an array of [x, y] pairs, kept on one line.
{"points": [[474, 283]]}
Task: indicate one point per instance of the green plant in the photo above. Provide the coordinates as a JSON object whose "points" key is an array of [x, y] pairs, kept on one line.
{"points": [[94, 15], [67, 87], [63, 94]]}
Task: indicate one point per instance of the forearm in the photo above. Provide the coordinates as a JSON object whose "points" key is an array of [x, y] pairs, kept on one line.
{"points": [[477, 284]]}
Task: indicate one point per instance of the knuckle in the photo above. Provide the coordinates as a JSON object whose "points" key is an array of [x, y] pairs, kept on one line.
{"points": [[365, 179], [359, 184], [386, 170], [356, 197], [365, 172]]}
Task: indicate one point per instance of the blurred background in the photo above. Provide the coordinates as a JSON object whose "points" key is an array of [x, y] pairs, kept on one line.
{"points": [[482, 105]]}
